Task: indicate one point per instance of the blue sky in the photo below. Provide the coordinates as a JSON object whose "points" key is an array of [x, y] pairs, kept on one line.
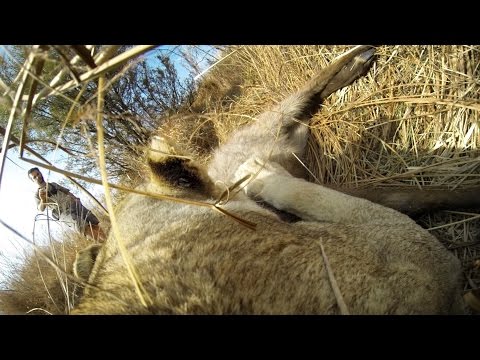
{"points": [[17, 204]]}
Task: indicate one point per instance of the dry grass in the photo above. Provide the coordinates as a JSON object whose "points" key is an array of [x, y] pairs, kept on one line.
{"points": [[418, 107], [413, 121], [34, 286]]}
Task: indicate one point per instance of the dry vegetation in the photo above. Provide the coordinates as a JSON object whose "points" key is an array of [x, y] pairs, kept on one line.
{"points": [[413, 121], [34, 286]]}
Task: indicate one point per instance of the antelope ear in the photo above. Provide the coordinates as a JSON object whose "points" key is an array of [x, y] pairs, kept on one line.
{"points": [[162, 149], [84, 261], [171, 167]]}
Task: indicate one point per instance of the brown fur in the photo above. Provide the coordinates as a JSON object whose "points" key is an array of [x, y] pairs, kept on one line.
{"points": [[193, 260], [84, 261]]}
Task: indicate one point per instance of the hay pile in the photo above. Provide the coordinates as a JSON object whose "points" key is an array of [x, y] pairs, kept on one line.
{"points": [[35, 287], [412, 122]]}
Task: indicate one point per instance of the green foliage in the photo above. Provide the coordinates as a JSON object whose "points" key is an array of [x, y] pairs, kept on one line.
{"points": [[137, 97]]}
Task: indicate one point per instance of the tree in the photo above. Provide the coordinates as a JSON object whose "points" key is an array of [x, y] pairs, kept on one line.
{"points": [[139, 94]]}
